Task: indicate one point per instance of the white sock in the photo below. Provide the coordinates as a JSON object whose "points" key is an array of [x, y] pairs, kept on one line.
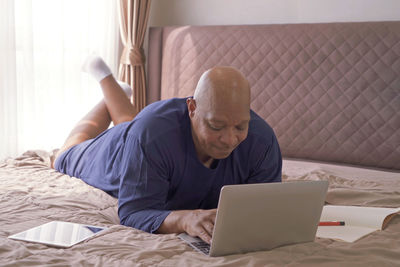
{"points": [[126, 87], [95, 66]]}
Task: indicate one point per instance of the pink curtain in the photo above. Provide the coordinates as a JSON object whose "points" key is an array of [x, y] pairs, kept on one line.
{"points": [[134, 15]]}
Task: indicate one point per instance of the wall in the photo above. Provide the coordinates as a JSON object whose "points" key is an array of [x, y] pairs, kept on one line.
{"points": [[222, 12]]}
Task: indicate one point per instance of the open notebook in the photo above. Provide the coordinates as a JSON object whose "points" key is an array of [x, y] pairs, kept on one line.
{"points": [[359, 221]]}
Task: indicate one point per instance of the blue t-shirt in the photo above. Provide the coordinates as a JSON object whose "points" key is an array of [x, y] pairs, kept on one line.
{"points": [[151, 165]]}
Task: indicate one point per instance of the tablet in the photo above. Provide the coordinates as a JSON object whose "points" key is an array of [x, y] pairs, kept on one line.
{"points": [[58, 234]]}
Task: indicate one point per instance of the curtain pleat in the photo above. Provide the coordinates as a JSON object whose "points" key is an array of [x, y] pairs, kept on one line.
{"points": [[134, 15]]}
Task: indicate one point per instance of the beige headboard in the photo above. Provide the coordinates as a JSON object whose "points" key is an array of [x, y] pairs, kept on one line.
{"points": [[330, 91]]}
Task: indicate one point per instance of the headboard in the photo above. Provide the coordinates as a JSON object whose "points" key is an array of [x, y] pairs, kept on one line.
{"points": [[330, 91]]}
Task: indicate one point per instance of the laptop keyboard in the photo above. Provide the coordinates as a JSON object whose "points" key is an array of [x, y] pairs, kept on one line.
{"points": [[201, 246]]}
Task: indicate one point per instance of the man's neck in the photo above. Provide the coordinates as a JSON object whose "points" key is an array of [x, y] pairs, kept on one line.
{"points": [[205, 159], [208, 163]]}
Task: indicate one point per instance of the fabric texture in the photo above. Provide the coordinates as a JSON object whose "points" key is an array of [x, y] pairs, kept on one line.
{"points": [[330, 91], [32, 193], [151, 164], [134, 15]]}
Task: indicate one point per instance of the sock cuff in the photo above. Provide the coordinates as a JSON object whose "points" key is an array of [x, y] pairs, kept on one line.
{"points": [[95, 66]]}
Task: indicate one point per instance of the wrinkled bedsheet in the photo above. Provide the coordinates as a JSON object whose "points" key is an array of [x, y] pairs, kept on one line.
{"points": [[32, 194]]}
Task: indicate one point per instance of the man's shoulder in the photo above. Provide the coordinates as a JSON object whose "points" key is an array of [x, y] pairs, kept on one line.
{"points": [[162, 107], [161, 119], [259, 128], [260, 142]]}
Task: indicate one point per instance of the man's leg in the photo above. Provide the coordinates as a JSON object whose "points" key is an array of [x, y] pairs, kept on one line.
{"points": [[115, 107], [118, 105]]}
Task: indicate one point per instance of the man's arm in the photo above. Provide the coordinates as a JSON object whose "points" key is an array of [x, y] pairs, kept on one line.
{"points": [[194, 222], [142, 196]]}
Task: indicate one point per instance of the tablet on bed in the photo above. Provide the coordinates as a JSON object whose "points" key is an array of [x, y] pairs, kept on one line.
{"points": [[58, 234]]}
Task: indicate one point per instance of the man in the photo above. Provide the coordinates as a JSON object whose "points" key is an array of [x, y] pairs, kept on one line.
{"points": [[168, 164]]}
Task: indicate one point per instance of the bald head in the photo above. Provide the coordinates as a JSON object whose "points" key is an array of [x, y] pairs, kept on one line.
{"points": [[219, 113], [222, 85]]}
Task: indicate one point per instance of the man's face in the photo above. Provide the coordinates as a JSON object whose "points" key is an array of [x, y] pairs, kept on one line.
{"points": [[218, 129]]}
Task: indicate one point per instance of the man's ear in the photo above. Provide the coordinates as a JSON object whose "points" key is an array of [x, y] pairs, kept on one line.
{"points": [[191, 106]]}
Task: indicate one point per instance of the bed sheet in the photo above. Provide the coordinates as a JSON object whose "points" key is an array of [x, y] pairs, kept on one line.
{"points": [[32, 194]]}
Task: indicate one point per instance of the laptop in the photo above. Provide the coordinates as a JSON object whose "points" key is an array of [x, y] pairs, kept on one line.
{"points": [[254, 217], [58, 234]]}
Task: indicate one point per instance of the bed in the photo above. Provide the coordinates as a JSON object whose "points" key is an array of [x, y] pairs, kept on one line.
{"points": [[330, 91]]}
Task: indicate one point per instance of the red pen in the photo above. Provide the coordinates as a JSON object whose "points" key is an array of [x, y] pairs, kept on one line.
{"points": [[333, 223]]}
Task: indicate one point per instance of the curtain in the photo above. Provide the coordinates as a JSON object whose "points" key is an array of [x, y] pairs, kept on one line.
{"points": [[133, 16], [43, 44], [8, 129]]}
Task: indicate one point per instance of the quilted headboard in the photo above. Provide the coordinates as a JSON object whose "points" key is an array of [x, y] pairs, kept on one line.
{"points": [[331, 91]]}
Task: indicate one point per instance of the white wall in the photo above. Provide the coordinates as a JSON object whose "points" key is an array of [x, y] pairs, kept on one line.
{"points": [[222, 12]]}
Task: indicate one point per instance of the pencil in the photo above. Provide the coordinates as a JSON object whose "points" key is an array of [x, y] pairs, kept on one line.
{"points": [[333, 223]]}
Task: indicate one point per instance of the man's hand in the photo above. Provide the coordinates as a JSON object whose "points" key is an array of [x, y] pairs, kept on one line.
{"points": [[194, 222], [200, 223]]}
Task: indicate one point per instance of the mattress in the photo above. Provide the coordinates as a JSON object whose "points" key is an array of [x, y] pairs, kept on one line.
{"points": [[32, 193]]}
